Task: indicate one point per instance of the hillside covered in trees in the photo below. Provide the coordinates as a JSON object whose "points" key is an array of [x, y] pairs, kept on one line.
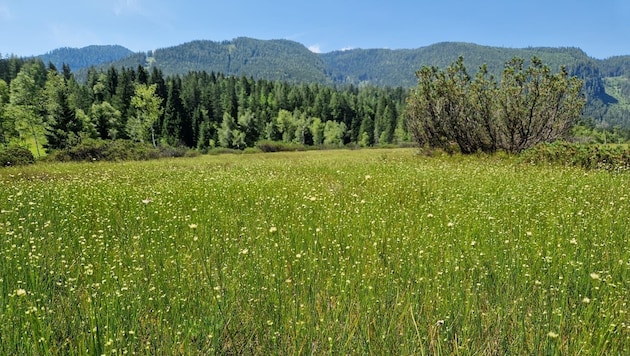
{"points": [[275, 90], [606, 86]]}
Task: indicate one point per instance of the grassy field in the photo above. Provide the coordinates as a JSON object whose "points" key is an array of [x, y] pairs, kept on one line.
{"points": [[333, 252]]}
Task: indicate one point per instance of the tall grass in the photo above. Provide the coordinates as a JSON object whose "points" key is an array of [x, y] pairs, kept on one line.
{"points": [[321, 252]]}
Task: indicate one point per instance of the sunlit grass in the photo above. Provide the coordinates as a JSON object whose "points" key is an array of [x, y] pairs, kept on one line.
{"points": [[336, 252]]}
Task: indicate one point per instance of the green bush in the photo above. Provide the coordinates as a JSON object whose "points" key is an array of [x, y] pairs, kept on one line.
{"points": [[117, 150], [15, 156], [588, 156], [276, 146]]}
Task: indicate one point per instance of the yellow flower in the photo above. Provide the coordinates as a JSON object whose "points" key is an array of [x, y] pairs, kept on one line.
{"points": [[20, 292]]}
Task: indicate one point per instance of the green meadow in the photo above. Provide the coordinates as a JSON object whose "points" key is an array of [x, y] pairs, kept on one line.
{"points": [[321, 252]]}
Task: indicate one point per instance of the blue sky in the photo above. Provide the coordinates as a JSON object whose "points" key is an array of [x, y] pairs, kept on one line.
{"points": [[601, 28]]}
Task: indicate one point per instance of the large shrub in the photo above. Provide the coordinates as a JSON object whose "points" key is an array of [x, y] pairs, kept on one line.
{"points": [[117, 150], [15, 156], [527, 107]]}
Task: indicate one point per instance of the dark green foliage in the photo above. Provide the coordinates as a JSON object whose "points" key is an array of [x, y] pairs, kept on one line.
{"points": [[529, 106], [607, 157], [15, 156], [276, 146], [292, 62], [273, 60], [77, 58], [116, 150], [391, 67]]}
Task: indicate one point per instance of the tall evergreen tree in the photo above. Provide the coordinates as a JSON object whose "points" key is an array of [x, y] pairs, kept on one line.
{"points": [[64, 127]]}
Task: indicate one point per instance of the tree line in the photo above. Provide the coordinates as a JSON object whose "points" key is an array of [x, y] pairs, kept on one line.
{"points": [[197, 110]]}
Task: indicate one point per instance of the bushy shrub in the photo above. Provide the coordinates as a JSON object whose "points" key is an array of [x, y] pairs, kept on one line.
{"points": [[589, 156], [15, 156], [275, 146], [116, 150]]}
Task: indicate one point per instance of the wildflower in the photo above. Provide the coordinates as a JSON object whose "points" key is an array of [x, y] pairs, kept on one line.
{"points": [[273, 229], [586, 300], [192, 226], [552, 334], [429, 215], [595, 275], [20, 292], [367, 176], [573, 241], [439, 323], [528, 233], [450, 224], [146, 201]]}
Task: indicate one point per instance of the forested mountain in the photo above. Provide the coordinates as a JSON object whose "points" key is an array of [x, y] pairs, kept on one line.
{"points": [[386, 67], [292, 62], [272, 60], [606, 82], [85, 57]]}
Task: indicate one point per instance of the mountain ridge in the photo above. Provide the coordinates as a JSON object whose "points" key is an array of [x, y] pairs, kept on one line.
{"points": [[292, 62]]}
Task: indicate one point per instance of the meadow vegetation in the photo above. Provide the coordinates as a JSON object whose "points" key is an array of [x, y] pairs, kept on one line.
{"points": [[319, 252]]}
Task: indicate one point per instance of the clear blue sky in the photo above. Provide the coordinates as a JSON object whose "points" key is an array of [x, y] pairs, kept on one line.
{"points": [[601, 28]]}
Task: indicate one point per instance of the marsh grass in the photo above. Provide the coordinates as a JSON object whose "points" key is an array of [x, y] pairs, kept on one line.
{"points": [[321, 252]]}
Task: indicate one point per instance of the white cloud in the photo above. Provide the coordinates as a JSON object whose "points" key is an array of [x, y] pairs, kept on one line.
{"points": [[347, 48], [315, 48]]}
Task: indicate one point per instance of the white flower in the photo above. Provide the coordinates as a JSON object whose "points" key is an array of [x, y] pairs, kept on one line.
{"points": [[552, 334], [595, 275], [586, 300], [273, 229], [146, 201], [192, 226], [20, 292], [439, 323]]}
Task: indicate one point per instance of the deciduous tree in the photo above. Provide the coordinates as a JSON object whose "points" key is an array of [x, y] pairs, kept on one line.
{"points": [[146, 111]]}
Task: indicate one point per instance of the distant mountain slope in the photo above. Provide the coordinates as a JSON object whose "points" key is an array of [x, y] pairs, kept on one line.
{"points": [[292, 62], [269, 59], [78, 58], [397, 67]]}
